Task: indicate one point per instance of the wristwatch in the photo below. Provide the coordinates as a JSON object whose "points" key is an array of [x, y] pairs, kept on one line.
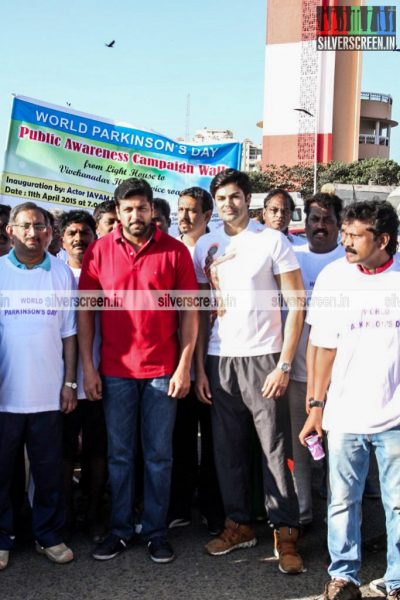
{"points": [[316, 403], [284, 367], [71, 384]]}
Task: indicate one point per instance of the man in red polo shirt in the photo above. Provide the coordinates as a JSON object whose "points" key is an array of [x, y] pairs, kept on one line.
{"points": [[145, 361]]}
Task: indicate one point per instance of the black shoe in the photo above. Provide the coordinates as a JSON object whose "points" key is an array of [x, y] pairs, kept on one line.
{"points": [[214, 526], [179, 522], [160, 550], [111, 546]]}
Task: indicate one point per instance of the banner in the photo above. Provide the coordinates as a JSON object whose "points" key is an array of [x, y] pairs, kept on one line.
{"points": [[59, 157]]}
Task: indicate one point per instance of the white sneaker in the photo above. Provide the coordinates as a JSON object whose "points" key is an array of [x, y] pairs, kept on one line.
{"points": [[59, 554], [378, 586], [4, 556]]}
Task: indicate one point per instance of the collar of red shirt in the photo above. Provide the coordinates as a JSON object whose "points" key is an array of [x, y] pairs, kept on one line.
{"points": [[377, 270]]}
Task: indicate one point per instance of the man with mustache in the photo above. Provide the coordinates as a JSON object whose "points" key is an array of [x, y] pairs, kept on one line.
{"points": [[145, 361], [195, 206], [358, 359], [322, 247], [78, 231], [37, 378], [5, 242]]}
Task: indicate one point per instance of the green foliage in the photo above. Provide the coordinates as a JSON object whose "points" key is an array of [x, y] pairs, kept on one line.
{"points": [[300, 177]]}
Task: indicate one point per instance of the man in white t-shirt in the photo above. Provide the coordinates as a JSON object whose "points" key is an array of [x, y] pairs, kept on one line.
{"points": [[37, 377], [358, 357], [247, 368], [322, 231]]}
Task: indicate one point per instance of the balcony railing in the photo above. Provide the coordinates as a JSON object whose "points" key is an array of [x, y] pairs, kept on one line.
{"points": [[377, 97], [370, 139]]}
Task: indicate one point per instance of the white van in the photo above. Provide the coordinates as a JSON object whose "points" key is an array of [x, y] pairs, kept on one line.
{"points": [[394, 199]]}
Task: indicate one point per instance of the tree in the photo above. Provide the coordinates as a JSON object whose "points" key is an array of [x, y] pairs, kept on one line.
{"points": [[300, 177]]}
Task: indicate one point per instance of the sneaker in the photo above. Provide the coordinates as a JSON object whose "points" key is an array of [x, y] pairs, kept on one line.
{"points": [[179, 522], [339, 589], [160, 550], [285, 550], [111, 547], [234, 536], [214, 526], [394, 595], [378, 586], [4, 556], [59, 554]]}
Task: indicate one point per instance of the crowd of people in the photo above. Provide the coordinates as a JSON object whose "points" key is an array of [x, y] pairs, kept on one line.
{"points": [[309, 346]]}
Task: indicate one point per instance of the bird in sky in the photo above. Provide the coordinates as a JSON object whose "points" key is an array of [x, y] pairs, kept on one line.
{"points": [[304, 111], [111, 44], [68, 103]]}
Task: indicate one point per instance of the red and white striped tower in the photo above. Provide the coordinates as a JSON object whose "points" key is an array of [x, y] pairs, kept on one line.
{"points": [[297, 76]]}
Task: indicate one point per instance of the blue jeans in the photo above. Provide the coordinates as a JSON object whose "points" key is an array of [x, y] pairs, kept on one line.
{"points": [[124, 399], [348, 467]]}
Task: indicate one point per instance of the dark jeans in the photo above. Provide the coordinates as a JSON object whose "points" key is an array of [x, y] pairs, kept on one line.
{"points": [[237, 401], [188, 472], [123, 397], [42, 434]]}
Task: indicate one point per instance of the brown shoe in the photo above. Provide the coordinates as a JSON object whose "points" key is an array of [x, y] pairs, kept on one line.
{"points": [[340, 589], [285, 549], [233, 536]]}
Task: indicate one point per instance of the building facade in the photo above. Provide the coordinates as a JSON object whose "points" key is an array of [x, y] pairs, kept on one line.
{"points": [[308, 94]]}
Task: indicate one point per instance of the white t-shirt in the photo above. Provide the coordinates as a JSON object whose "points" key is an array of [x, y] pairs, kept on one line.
{"points": [[31, 350], [190, 248], [80, 392], [311, 264], [245, 263], [364, 395]]}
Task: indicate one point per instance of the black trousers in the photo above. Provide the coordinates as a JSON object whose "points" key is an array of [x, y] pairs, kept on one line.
{"points": [[42, 435], [191, 472], [238, 403]]}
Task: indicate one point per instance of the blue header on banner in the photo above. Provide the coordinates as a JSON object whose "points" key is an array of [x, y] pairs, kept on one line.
{"points": [[72, 123]]}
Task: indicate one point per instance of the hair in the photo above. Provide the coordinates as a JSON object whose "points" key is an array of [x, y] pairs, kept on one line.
{"points": [[52, 219], [104, 207], [201, 196], [325, 201], [133, 187], [29, 206], [280, 192], [242, 180], [163, 206], [77, 216], [5, 210], [380, 215]]}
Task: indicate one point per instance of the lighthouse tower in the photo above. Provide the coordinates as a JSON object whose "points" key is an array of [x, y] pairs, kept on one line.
{"points": [[311, 98]]}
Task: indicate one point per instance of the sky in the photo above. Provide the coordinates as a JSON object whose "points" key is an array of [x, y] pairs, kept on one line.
{"points": [[55, 51]]}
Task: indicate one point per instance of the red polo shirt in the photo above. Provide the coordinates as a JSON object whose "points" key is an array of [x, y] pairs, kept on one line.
{"points": [[138, 343]]}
